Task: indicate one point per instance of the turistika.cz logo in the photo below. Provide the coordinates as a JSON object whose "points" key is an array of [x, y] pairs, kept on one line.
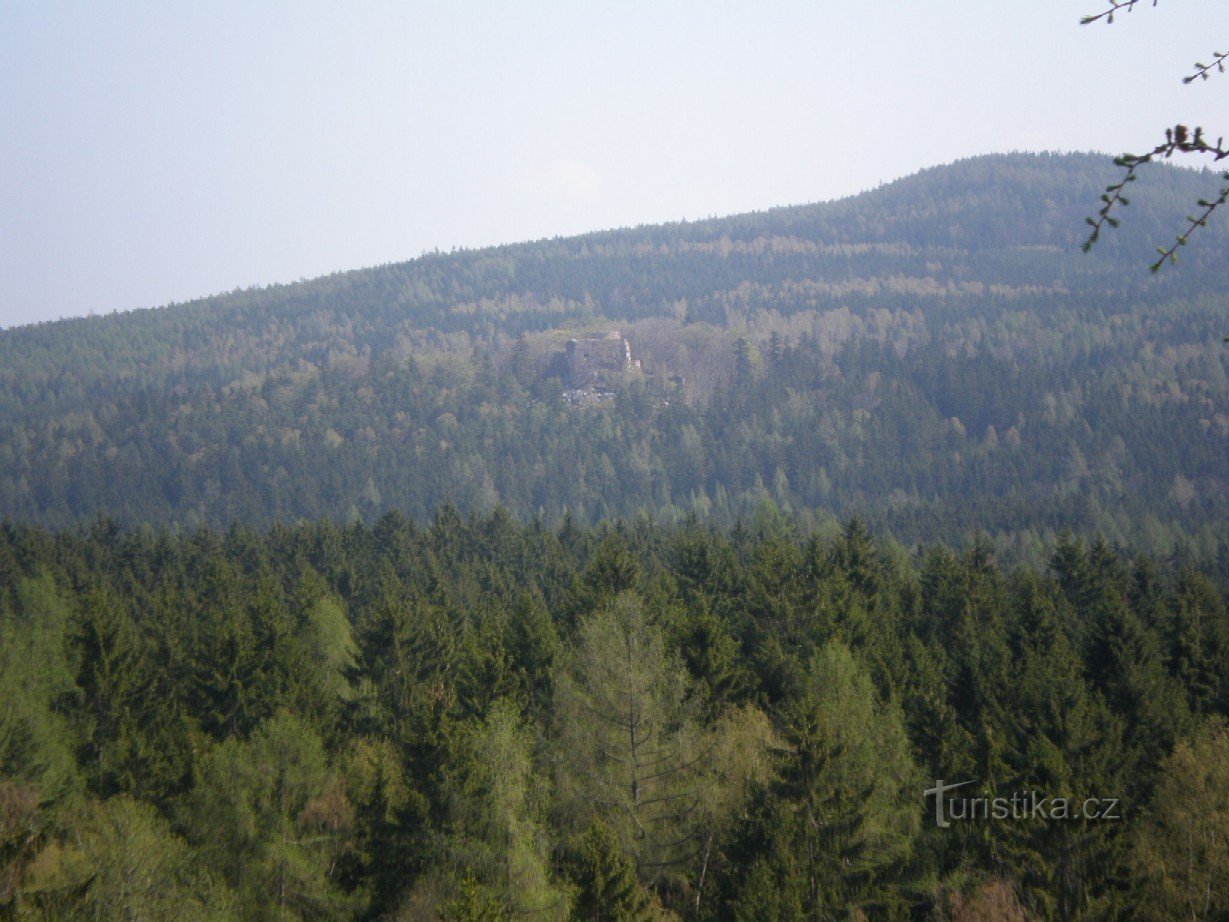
{"points": [[1022, 805]]}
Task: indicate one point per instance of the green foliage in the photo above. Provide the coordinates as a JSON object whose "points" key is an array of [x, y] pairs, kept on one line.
{"points": [[265, 817], [628, 749], [605, 876], [331, 644], [496, 819], [474, 904], [1063, 738], [108, 652], [121, 861], [480, 719], [932, 355], [533, 648], [36, 676], [855, 813], [1183, 850]]}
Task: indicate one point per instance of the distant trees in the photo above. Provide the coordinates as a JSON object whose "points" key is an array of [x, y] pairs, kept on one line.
{"points": [[908, 355]]}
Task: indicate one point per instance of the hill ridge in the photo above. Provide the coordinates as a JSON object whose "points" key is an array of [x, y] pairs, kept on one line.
{"points": [[935, 355]]}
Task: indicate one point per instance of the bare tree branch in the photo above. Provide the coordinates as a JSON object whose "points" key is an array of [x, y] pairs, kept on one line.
{"points": [[1116, 6], [1203, 71], [1178, 140], [1200, 220]]}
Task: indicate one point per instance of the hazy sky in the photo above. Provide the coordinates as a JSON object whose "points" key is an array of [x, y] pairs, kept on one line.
{"points": [[153, 152]]}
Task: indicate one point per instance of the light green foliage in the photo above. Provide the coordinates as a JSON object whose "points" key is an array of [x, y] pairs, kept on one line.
{"points": [[858, 810], [736, 736], [331, 644], [745, 752], [628, 749], [120, 860], [36, 740], [266, 816], [1183, 851], [496, 837], [634, 760], [374, 776]]}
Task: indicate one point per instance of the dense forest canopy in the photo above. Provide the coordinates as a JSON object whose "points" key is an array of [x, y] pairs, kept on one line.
{"points": [[478, 719], [934, 355], [352, 599]]}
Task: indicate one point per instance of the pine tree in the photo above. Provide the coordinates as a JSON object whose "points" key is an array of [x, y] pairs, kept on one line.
{"points": [[605, 877], [1063, 742], [109, 673], [1196, 641], [854, 788]]}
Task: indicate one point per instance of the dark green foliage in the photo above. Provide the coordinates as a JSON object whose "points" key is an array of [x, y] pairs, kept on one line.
{"points": [[533, 646], [473, 904], [933, 355], [691, 650], [612, 568], [1195, 636], [326, 721], [605, 879], [763, 877], [108, 649]]}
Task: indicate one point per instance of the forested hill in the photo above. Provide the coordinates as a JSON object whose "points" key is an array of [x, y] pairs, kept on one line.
{"points": [[935, 354]]}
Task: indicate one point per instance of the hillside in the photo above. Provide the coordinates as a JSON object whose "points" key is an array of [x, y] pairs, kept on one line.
{"points": [[935, 355]]}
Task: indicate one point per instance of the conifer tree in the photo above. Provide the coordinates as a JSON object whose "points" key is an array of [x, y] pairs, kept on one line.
{"points": [[629, 750], [853, 788], [109, 671], [495, 807]]}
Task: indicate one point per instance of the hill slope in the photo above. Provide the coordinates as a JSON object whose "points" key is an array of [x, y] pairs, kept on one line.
{"points": [[934, 354]]}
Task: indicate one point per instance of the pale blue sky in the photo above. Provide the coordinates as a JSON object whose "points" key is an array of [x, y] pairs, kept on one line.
{"points": [[157, 151]]}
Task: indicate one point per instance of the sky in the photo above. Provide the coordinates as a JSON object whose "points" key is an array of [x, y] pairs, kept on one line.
{"points": [[154, 152]]}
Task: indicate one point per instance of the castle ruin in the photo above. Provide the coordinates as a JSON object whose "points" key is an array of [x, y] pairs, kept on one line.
{"points": [[599, 364]]}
